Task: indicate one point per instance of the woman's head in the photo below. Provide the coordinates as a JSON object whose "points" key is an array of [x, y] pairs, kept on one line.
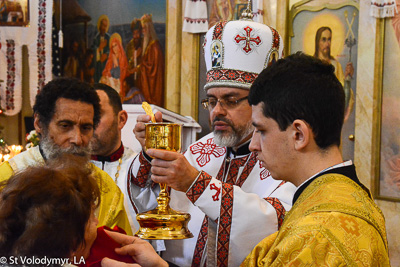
{"points": [[116, 44], [44, 211], [115, 47]]}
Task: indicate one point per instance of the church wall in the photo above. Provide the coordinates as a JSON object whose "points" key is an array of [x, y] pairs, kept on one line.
{"points": [[364, 132]]}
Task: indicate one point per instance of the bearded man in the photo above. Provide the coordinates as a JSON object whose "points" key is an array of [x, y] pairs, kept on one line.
{"points": [[108, 152], [151, 67], [233, 201], [66, 112], [323, 42]]}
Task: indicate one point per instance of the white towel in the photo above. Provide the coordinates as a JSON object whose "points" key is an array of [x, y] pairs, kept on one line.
{"points": [[37, 37], [383, 8]]}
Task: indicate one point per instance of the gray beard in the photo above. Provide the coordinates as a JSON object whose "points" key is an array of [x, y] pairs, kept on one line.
{"points": [[53, 151], [233, 140]]}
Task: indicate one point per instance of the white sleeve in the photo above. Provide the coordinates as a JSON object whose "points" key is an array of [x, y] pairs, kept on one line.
{"points": [[142, 191]]}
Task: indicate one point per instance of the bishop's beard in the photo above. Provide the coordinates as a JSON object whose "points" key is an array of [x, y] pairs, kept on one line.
{"points": [[233, 137]]}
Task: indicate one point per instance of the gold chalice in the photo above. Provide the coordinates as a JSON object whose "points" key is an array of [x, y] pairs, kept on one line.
{"points": [[163, 222]]}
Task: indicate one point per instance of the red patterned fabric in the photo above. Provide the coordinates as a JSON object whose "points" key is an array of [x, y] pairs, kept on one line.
{"points": [[10, 89], [219, 27], [249, 40], [234, 169], [280, 210], [142, 176], [113, 157], [221, 171], [37, 37], [247, 169], [202, 238], [264, 174], [206, 150], [275, 42], [226, 207], [225, 222], [41, 54], [215, 197], [190, 20], [383, 8], [198, 187], [231, 75], [205, 42], [201, 243]]}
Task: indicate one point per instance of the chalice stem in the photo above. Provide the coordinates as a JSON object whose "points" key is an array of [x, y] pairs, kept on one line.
{"points": [[163, 199]]}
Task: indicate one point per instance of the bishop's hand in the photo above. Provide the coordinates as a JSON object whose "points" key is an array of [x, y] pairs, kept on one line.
{"points": [[172, 168], [140, 129]]}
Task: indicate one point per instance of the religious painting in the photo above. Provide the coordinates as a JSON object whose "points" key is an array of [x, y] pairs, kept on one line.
{"points": [[14, 12], [221, 10], [216, 56], [121, 44], [329, 30], [387, 156]]}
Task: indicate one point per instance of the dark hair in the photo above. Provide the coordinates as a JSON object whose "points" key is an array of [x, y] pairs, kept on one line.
{"points": [[113, 96], [136, 25], [44, 210], [318, 37], [306, 88], [69, 88]]}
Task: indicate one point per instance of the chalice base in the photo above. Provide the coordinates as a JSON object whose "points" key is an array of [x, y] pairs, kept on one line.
{"points": [[165, 225]]}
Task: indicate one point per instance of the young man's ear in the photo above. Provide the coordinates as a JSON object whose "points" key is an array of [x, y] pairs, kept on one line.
{"points": [[37, 124], [302, 134], [122, 119]]}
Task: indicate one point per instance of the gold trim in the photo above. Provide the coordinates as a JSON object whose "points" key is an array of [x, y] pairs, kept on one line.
{"points": [[166, 54], [173, 48], [189, 74], [285, 33], [196, 88], [377, 111], [377, 105], [299, 7]]}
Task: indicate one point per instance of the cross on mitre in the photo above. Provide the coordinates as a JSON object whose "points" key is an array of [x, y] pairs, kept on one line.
{"points": [[249, 39]]}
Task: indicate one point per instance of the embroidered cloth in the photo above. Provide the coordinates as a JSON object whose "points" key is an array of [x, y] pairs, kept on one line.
{"points": [[37, 37], [333, 223], [383, 8], [233, 204]]}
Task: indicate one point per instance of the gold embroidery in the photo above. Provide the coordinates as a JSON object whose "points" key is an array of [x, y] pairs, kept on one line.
{"points": [[333, 223]]}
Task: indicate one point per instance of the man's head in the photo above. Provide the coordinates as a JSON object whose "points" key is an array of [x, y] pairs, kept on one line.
{"points": [[323, 40], [107, 136], [230, 115], [74, 47], [298, 108], [235, 53], [136, 28], [102, 24], [66, 111], [149, 33]]}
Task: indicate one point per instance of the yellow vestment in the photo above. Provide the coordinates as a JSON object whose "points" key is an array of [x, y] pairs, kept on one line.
{"points": [[333, 223], [111, 211]]}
